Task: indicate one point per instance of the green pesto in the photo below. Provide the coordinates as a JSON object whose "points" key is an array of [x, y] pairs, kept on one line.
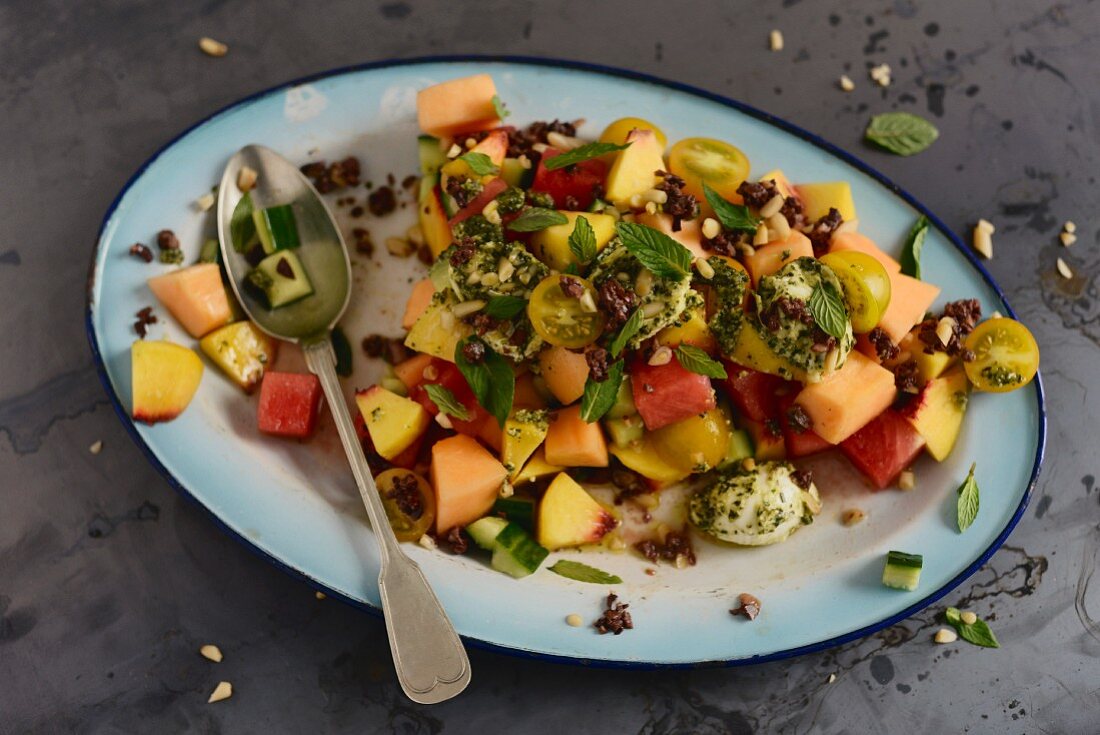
{"points": [[730, 285], [511, 200]]}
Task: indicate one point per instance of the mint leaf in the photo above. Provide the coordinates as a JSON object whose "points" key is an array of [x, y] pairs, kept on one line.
{"points": [[242, 228], [736, 218], [583, 153], [697, 361], [582, 241], [479, 163], [657, 251], [967, 504], [491, 380], [446, 402], [827, 308], [502, 111], [533, 219], [979, 634], [599, 397], [583, 573], [630, 327], [902, 133], [952, 616], [505, 307], [910, 254]]}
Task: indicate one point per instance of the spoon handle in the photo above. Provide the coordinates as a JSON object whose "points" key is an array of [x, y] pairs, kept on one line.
{"points": [[428, 655]]}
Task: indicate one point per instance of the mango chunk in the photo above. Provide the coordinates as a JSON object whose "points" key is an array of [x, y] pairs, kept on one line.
{"points": [[394, 422], [164, 378], [551, 245], [429, 335], [819, 198], [242, 351]]}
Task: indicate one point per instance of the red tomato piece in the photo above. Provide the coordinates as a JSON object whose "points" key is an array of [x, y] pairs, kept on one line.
{"points": [[755, 393], [578, 182], [449, 376], [289, 404], [883, 448], [799, 444], [665, 394], [488, 194]]}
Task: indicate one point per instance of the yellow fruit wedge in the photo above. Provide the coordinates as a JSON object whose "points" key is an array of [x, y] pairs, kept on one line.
{"points": [[165, 378], [569, 516], [242, 352]]}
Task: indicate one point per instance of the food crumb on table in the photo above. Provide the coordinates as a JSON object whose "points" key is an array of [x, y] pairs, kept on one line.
{"points": [[211, 653], [96, 447], [224, 690], [574, 620]]}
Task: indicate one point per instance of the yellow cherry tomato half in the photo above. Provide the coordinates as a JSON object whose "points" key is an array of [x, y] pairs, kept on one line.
{"points": [[696, 444], [1006, 356], [722, 166], [617, 131], [562, 319], [409, 503], [866, 287]]}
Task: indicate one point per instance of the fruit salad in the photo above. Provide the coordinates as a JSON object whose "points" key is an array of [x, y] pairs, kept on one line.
{"points": [[619, 311]]}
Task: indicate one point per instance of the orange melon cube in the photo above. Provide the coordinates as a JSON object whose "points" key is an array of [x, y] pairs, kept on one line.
{"points": [[419, 300], [573, 442], [527, 395], [195, 296], [457, 106], [690, 234], [466, 480], [863, 244], [909, 301], [565, 373], [411, 371], [773, 256], [848, 399]]}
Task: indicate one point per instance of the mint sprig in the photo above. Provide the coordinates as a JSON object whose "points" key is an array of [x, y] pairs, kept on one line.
{"points": [[446, 402], [491, 380], [534, 219], [582, 241], [827, 308], [630, 327], [583, 153], [505, 307], [902, 133], [968, 500], [733, 217], [699, 362], [655, 250], [599, 397], [910, 254], [480, 164], [979, 633], [579, 572]]}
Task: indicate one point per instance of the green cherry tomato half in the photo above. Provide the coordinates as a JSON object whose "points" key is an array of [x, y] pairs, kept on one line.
{"points": [[1006, 356], [866, 287], [409, 503], [564, 320]]}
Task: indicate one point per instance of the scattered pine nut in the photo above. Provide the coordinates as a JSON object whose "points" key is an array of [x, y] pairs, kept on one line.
{"points": [[246, 179], [574, 620], [772, 206], [211, 652], [846, 83], [205, 202], [1069, 227], [506, 489], [319, 595], [210, 47], [444, 420], [224, 690], [661, 356], [706, 270], [415, 235], [1067, 238], [907, 480], [650, 208], [748, 464], [852, 516], [563, 142], [399, 247], [831, 679], [711, 228], [775, 40], [946, 635], [996, 315], [983, 239], [96, 447], [470, 142], [469, 307], [761, 237], [881, 75], [968, 617], [616, 544], [427, 542], [524, 161], [454, 151], [778, 227], [945, 330], [1064, 269], [656, 196]]}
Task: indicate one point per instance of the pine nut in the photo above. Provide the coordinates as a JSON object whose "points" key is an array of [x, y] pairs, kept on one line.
{"points": [[706, 270], [852, 516], [246, 179], [748, 464], [210, 47], [945, 329], [775, 40], [588, 303], [661, 356], [711, 228], [846, 83], [539, 148], [650, 208], [636, 201], [432, 372], [1064, 269], [653, 309], [96, 447], [643, 284], [444, 420], [506, 489], [427, 542], [946, 635], [983, 242], [1067, 238], [490, 212], [968, 617], [224, 690], [907, 480], [524, 162], [211, 652], [772, 206], [447, 321], [656, 196], [986, 226], [574, 620], [399, 246], [1069, 227], [454, 151], [745, 249], [473, 278], [778, 227], [505, 270], [205, 202], [470, 143], [490, 279], [761, 237], [563, 142]]}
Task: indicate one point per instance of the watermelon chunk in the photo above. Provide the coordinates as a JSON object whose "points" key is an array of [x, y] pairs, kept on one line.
{"points": [[883, 448], [665, 394], [755, 393], [289, 404], [577, 182], [799, 443]]}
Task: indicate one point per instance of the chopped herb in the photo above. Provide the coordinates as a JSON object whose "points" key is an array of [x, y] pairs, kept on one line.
{"points": [[736, 218], [978, 632], [446, 402], [827, 308], [902, 133], [697, 361], [479, 163], [967, 504], [505, 307], [501, 110], [600, 396], [910, 254], [533, 219], [631, 327], [583, 153], [655, 250], [491, 379], [582, 241], [242, 228], [583, 573]]}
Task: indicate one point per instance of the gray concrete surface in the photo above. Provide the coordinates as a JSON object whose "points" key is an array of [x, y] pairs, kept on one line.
{"points": [[109, 581]]}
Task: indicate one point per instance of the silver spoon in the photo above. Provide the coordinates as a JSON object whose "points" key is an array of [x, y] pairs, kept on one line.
{"points": [[428, 655]]}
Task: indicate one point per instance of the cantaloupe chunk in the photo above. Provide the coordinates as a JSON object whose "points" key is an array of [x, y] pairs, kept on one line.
{"points": [[573, 442], [909, 302], [195, 296], [411, 371], [846, 400], [773, 256], [819, 198], [565, 373], [419, 300], [690, 234], [466, 480], [490, 433], [457, 106], [855, 241]]}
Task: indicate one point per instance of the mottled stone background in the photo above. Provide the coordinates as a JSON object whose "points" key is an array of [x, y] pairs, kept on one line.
{"points": [[109, 581]]}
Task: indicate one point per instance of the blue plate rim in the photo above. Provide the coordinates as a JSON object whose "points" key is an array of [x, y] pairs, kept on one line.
{"points": [[543, 61]]}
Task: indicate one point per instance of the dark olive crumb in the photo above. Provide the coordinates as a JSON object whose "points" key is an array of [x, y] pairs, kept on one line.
{"points": [[474, 352], [456, 541], [598, 360], [405, 493], [884, 346], [167, 240], [382, 201], [571, 287], [803, 478], [615, 618], [364, 244], [617, 302], [748, 606], [676, 544], [145, 317], [141, 251], [797, 418]]}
